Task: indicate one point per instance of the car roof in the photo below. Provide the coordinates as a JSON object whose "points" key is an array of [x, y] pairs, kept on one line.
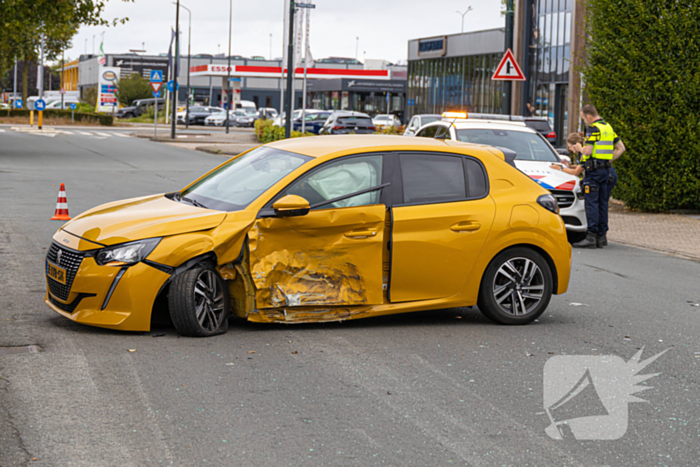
{"points": [[319, 146], [485, 125]]}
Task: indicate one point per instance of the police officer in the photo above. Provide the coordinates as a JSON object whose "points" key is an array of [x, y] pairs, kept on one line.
{"points": [[602, 147]]}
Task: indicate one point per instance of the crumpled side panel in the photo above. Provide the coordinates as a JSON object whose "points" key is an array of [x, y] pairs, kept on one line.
{"points": [[315, 260]]}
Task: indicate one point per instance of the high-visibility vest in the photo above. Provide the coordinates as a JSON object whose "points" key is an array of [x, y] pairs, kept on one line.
{"points": [[604, 146]]}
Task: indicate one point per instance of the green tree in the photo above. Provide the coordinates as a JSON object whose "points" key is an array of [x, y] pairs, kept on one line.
{"points": [[23, 21], [132, 88], [643, 76]]}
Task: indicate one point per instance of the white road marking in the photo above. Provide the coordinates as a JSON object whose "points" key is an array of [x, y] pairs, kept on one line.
{"points": [[106, 135], [85, 133], [121, 134], [65, 132], [2, 131]]}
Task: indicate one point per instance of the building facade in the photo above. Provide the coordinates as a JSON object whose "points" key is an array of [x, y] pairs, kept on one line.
{"points": [[453, 72]]}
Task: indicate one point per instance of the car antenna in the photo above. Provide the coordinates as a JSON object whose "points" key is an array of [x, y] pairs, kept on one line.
{"points": [[454, 119]]}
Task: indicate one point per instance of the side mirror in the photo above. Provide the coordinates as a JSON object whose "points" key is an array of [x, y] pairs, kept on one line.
{"points": [[291, 206]]}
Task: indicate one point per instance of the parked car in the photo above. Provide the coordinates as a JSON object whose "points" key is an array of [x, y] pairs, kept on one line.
{"points": [[266, 112], [218, 119], [314, 121], [197, 114], [386, 120], [541, 126], [418, 121], [244, 117], [534, 156], [138, 107], [343, 122], [298, 231], [281, 119]]}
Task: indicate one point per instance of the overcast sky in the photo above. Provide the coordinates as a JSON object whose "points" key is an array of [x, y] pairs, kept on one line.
{"points": [[383, 26]]}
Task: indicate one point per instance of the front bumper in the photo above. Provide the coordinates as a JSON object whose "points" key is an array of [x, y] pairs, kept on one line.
{"points": [[574, 215], [127, 308]]}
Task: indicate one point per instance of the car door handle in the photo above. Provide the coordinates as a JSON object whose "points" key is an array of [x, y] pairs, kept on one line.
{"points": [[466, 227], [361, 233]]}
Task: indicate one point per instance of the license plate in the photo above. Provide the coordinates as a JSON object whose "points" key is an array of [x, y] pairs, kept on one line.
{"points": [[56, 273]]}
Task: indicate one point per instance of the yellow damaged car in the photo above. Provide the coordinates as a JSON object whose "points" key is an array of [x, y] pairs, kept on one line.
{"points": [[316, 229]]}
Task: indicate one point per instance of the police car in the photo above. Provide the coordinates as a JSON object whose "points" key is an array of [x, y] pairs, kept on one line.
{"points": [[534, 156]]}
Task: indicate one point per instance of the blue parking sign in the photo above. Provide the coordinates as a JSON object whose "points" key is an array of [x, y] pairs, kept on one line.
{"points": [[40, 104]]}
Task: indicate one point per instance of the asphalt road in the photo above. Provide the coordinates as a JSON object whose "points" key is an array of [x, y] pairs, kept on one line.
{"points": [[431, 388]]}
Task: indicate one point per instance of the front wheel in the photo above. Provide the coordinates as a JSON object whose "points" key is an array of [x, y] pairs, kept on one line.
{"points": [[516, 287], [199, 303]]}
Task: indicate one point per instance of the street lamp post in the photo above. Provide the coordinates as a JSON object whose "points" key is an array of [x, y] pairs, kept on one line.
{"points": [[189, 53], [228, 68], [463, 14], [270, 46], [290, 75], [173, 121], [357, 48]]}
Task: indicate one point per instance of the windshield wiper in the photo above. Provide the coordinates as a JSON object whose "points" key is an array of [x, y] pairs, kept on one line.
{"points": [[193, 202]]}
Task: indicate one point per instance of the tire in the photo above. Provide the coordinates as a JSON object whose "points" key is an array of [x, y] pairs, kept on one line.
{"points": [[495, 300], [192, 290], [575, 237], [129, 115]]}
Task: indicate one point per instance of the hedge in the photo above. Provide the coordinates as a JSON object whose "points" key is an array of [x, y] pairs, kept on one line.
{"points": [[643, 76], [78, 116], [267, 132]]}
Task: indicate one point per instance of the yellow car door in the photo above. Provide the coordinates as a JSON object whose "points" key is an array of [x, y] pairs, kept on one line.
{"points": [[441, 218], [332, 255]]}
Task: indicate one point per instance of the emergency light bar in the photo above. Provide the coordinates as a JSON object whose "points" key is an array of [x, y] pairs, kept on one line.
{"points": [[471, 116]]}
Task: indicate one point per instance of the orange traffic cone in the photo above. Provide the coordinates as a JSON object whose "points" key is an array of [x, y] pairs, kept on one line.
{"points": [[61, 213]]}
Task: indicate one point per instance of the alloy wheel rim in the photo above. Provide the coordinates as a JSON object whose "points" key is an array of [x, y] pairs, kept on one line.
{"points": [[518, 286], [209, 301]]}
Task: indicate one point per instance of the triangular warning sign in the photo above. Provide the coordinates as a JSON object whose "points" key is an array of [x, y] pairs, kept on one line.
{"points": [[156, 86], [508, 69]]}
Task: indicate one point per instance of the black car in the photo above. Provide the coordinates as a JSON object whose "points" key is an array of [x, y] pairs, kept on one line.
{"points": [[345, 122], [196, 115], [138, 107], [541, 126]]}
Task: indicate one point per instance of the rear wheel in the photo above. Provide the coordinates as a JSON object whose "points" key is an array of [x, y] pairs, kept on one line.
{"points": [[516, 287], [575, 237], [199, 302]]}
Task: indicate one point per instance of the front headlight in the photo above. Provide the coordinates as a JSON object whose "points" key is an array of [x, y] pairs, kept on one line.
{"points": [[126, 254]]}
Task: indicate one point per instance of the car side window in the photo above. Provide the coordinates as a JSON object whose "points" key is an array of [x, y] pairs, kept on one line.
{"points": [[476, 178], [340, 178], [429, 178], [428, 132]]}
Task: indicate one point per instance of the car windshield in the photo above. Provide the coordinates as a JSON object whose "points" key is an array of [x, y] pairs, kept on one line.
{"points": [[426, 120], [381, 117], [528, 146], [235, 185], [240, 113], [249, 111]]}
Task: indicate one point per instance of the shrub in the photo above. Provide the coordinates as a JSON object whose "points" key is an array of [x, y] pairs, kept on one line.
{"points": [[132, 88], [267, 132], [643, 76]]}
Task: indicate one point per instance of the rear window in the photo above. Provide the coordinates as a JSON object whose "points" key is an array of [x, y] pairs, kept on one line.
{"points": [[539, 125], [364, 121]]}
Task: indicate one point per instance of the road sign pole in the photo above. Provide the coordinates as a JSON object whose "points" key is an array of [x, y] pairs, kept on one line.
{"points": [[72, 121], [508, 88], [41, 115], [290, 74], [155, 123], [176, 64], [31, 118]]}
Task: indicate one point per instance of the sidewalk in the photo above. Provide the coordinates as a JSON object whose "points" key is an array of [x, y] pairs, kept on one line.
{"points": [[673, 234]]}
